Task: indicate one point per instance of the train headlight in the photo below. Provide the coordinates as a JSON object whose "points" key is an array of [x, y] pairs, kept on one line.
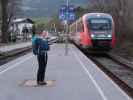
{"points": [[109, 36], [92, 35]]}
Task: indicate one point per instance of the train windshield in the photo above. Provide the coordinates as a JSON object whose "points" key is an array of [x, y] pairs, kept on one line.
{"points": [[98, 24]]}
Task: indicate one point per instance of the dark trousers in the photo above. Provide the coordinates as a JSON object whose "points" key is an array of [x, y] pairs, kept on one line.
{"points": [[42, 62]]}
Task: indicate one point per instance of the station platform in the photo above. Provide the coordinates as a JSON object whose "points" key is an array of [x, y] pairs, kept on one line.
{"points": [[8, 48], [75, 78]]}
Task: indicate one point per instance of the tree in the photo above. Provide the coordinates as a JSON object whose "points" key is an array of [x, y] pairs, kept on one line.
{"points": [[4, 4], [14, 7], [55, 24], [0, 10], [9, 9], [80, 11]]}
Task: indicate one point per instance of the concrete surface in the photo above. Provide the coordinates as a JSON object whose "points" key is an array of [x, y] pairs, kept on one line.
{"points": [[76, 78]]}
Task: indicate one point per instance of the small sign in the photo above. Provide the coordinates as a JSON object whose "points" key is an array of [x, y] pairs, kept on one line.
{"points": [[67, 13]]}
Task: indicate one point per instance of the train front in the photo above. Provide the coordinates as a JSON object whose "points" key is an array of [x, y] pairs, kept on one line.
{"points": [[101, 30]]}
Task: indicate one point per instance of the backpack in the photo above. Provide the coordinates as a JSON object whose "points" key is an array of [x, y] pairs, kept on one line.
{"points": [[42, 46]]}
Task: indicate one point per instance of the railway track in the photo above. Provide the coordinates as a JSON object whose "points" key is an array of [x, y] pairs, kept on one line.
{"points": [[11, 55], [119, 71]]}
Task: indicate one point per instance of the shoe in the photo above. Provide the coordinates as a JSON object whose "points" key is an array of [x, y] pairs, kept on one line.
{"points": [[41, 83]]}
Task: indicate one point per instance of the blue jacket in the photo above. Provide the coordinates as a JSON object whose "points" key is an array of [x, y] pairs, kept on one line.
{"points": [[36, 44]]}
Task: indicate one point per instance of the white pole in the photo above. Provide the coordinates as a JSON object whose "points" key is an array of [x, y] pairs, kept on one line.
{"points": [[54, 28], [67, 30], [67, 3]]}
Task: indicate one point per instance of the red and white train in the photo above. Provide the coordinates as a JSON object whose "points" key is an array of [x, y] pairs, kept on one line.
{"points": [[94, 31]]}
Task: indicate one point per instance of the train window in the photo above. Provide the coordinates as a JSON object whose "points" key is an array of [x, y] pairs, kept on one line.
{"points": [[73, 28], [80, 27], [100, 24]]}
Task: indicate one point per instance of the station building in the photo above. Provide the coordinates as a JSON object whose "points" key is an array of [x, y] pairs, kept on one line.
{"points": [[22, 28]]}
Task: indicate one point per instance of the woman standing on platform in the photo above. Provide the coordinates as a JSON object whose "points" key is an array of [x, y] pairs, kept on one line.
{"points": [[40, 48]]}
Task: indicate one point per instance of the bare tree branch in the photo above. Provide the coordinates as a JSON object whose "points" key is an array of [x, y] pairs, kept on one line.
{"points": [[9, 10]]}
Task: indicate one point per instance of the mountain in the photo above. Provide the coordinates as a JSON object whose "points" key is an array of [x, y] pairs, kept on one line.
{"points": [[39, 8]]}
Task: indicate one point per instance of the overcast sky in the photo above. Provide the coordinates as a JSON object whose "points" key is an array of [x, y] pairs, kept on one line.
{"points": [[46, 7]]}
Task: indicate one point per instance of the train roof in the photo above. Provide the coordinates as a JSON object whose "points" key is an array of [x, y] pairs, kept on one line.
{"points": [[97, 15], [93, 15]]}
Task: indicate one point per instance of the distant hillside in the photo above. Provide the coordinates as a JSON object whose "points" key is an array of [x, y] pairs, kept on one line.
{"points": [[39, 8], [41, 20]]}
